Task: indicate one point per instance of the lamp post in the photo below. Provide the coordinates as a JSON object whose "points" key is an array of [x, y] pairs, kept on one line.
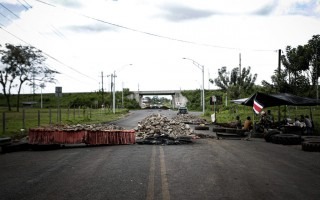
{"points": [[201, 67], [122, 96], [41, 86]]}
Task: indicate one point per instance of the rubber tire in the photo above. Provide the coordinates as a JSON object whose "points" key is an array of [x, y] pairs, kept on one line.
{"points": [[241, 132], [286, 139], [201, 128], [231, 130], [220, 130], [45, 147], [311, 137], [311, 145], [268, 136]]}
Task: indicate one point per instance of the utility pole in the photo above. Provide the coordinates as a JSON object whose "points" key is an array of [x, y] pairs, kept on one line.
{"points": [[279, 73], [279, 66], [240, 73], [102, 88], [114, 92], [316, 68], [33, 83]]}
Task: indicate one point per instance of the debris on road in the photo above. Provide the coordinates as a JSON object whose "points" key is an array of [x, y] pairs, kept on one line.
{"points": [[85, 127], [189, 119], [158, 129]]}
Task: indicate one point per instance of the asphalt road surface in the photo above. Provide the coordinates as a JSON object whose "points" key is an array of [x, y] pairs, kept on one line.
{"points": [[207, 169]]}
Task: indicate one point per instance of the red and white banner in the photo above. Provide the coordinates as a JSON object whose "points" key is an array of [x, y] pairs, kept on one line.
{"points": [[257, 107]]}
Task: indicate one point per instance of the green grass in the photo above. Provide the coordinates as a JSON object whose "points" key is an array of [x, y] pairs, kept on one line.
{"points": [[32, 118]]}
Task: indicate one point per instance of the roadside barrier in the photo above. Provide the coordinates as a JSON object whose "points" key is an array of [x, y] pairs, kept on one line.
{"points": [[44, 137]]}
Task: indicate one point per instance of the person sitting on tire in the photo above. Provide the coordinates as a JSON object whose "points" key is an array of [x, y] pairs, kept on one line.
{"points": [[236, 124], [248, 127], [247, 124], [308, 123]]}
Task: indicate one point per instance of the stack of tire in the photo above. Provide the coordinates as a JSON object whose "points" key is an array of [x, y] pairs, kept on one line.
{"points": [[268, 136], [286, 139], [311, 143], [276, 137], [201, 127]]}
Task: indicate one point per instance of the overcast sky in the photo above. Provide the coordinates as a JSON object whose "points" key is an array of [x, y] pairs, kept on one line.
{"points": [[83, 38]]}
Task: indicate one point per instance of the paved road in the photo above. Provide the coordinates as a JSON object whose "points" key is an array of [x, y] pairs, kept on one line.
{"points": [[207, 169]]}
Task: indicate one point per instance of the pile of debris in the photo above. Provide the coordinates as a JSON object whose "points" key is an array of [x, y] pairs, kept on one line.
{"points": [[189, 119], [158, 129], [86, 127]]}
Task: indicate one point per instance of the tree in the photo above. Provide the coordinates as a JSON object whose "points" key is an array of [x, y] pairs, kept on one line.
{"points": [[301, 70], [314, 50], [234, 82], [23, 64], [223, 80]]}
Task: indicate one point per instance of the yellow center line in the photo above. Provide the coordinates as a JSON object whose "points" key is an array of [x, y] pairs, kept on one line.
{"points": [[150, 193], [164, 181]]}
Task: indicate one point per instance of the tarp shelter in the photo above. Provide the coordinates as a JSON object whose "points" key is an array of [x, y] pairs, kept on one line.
{"points": [[270, 100]]}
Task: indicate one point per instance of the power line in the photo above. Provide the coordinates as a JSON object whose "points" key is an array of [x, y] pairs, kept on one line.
{"points": [[153, 34], [58, 33], [9, 11], [27, 3], [23, 5], [48, 55]]}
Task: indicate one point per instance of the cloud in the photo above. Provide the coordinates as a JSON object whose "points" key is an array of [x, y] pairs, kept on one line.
{"points": [[10, 12], [306, 8], [267, 9], [183, 13], [68, 3], [91, 28]]}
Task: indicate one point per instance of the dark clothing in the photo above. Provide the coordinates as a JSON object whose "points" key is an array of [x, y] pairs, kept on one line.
{"points": [[308, 123]]}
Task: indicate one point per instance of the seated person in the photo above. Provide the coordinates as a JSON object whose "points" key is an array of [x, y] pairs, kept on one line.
{"points": [[298, 123], [247, 124], [269, 117], [234, 124], [308, 124]]}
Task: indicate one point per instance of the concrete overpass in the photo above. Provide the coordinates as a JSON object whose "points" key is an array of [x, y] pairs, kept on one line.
{"points": [[177, 97]]}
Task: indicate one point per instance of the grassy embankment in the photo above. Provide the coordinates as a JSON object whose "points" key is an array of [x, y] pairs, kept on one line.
{"points": [[32, 118]]}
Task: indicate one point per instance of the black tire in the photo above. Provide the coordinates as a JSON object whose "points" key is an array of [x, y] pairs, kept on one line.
{"points": [[44, 147], [219, 130], [201, 128], [286, 139], [269, 134], [22, 146], [241, 132], [307, 138], [231, 130], [311, 145]]}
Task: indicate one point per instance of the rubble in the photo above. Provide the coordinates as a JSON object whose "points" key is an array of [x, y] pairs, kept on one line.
{"points": [[86, 127], [158, 129], [189, 119]]}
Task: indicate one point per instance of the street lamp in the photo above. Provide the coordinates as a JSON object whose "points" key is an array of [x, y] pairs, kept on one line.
{"points": [[201, 67], [42, 85]]}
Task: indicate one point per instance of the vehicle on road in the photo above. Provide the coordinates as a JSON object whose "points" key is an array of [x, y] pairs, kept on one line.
{"points": [[182, 110]]}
